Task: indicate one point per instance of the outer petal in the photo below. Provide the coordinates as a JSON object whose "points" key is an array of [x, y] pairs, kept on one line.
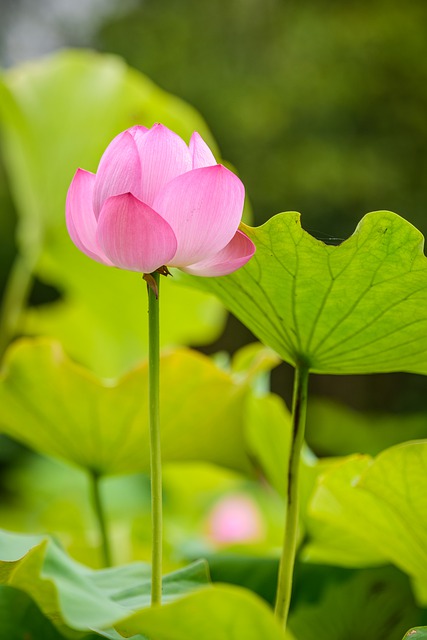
{"points": [[163, 156], [119, 171], [237, 253], [133, 236], [137, 131], [204, 208], [80, 218], [200, 153]]}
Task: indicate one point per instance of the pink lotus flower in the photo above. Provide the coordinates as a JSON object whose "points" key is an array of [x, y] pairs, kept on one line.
{"points": [[155, 201]]}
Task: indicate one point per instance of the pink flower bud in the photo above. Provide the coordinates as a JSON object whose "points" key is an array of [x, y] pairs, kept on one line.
{"points": [[235, 519], [155, 201]]}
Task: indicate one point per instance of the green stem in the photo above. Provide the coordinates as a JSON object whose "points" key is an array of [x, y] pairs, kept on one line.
{"points": [[155, 449], [14, 299], [100, 517], [287, 561]]}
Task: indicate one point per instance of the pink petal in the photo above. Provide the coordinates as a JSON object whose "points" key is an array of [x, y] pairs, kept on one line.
{"points": [[237, 253], [119, 171], [133, 236], [201, 155], [137, 131], [80, 218], [163, 156], [204, 208]]}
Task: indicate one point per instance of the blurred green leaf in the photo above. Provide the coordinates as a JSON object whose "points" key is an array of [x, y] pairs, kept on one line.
{"points": [[76, 598], [334, 429], [326, 543], [257, 574], [130, 587], [103, 320], [268, 433], [381, 502], [209, 614], [253, 360], [369, 604], [21, 618], [59, 114], [330, 542], [61, 588], [60, 409], [356, 308]]}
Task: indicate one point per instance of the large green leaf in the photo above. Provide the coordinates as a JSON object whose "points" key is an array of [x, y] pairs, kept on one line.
{"points": [[329, 544], [209, 614], [78, 599], [58, 408], [58, 114], [360, 307], [381, 502]]}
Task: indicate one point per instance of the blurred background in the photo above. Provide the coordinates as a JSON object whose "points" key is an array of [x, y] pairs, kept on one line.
{"points": [[320, 106]]}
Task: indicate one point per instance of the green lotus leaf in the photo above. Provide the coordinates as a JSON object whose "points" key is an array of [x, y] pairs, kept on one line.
{"points": [[381, 503], [326, 543], [329, 542], [359, 307], [58, 114], [59, 408], [78, 599], [209, 614]]}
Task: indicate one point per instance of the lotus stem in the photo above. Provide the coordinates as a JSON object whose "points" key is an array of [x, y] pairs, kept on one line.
{"points": [[14, 299], [100, 517], [287, 561], [155, 447]]}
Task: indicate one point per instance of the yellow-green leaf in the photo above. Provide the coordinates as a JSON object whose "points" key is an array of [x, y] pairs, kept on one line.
{"points": [[61, 409]]}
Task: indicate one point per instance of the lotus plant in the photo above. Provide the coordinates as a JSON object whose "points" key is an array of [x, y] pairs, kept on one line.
{"points": [[155, 203]]}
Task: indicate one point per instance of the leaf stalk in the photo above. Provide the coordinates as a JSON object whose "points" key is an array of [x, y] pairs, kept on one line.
{"points": [[15, 297], [95, 479], [287, 561]]}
